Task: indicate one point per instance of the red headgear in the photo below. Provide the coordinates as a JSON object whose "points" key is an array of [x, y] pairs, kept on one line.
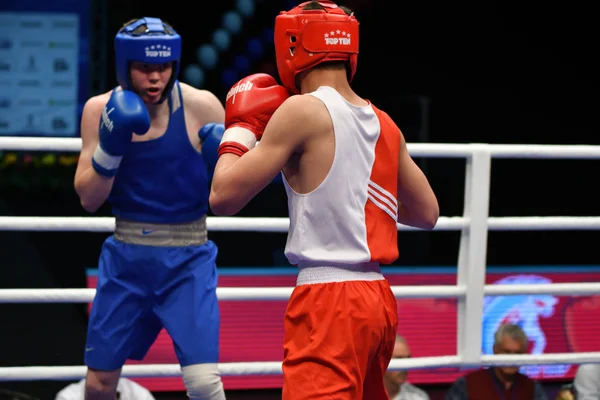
{"points": [[305, 38]]}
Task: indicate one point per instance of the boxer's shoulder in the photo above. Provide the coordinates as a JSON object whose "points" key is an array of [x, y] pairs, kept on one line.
{"points": [[203, 104], [94, 105], [98, 102], [198, 97], [300, 105], [306, 114], [309, 112]]}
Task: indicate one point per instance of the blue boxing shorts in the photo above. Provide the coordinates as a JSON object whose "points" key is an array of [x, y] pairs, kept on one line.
{"points": [[142, 289]]}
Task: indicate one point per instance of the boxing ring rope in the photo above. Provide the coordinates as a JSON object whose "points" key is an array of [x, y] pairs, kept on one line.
{"points": [[265, 224], [470, 290]]}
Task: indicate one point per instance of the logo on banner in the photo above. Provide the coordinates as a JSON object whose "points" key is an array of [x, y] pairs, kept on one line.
{"points": [[525, 311]]}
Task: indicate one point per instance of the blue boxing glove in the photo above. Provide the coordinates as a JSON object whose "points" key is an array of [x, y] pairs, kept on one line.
{"points": [[124, 114], [211, 135]]}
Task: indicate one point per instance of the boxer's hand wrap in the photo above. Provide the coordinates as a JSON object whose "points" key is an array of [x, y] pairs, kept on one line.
{"points": [[237, 140]]}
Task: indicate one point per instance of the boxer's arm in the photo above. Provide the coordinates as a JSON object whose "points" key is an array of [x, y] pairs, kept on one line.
{"points": [[92, 188], [418, 205], [209, 115], [238, 179]]}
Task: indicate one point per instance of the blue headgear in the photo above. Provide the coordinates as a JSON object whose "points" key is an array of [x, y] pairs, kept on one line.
{"points": [[158, 44]]}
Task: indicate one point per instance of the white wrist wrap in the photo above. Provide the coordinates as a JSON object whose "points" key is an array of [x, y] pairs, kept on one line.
{"points": [[240, 135], [105, 160]]}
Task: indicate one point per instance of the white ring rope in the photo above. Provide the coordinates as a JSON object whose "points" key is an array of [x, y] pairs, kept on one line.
{"points": [[223, 294], [170, 370], [266, 224], [274, 367], [476, 220], [435, 150], [283, 293]]}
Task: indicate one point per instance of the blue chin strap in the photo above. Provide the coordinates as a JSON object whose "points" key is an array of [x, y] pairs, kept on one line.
{"points": [[157, 44]]}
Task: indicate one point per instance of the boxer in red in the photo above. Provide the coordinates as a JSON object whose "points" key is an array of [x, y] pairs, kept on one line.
{"points": [[349, 180]]}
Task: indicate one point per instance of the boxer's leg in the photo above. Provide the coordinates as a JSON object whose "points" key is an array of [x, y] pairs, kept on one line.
{"points": [[189, 310], [388, 312], [327, 340], [121, 323], [333, 335]]}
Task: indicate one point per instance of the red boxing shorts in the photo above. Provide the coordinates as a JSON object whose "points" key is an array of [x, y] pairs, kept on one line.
{"points": [[338, 340]]}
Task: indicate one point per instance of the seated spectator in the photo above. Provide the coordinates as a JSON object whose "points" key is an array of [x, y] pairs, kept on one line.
{"points": [[587, 382], [126, 390], [395, 381], [499, 383]]}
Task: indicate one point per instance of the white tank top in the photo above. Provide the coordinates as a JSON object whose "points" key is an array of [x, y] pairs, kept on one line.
{"points": [[344, 228]]}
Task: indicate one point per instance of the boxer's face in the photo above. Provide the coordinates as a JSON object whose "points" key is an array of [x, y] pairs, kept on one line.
{"points": [[149, 80], [401, 350]]}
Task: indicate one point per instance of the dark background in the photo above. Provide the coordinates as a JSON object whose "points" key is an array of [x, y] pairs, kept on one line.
{"points": [[493, 72]]}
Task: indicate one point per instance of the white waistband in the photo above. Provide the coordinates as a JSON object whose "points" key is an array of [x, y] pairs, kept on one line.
{"points": [[326, 274]]}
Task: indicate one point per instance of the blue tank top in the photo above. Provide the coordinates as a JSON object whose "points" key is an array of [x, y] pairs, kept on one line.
{"points": [[163, 180]]}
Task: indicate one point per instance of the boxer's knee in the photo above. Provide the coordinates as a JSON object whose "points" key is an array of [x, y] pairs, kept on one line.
{"points": [[101, 385], [203, 382]]}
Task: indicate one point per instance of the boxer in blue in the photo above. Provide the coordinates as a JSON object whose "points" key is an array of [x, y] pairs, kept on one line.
{"points": [[149, 148]]}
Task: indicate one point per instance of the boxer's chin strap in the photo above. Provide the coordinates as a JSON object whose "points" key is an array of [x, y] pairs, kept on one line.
{"points": [[203, 382]]}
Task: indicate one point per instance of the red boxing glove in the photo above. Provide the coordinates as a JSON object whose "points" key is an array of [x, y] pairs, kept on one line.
{"points": [[249, 105]]}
